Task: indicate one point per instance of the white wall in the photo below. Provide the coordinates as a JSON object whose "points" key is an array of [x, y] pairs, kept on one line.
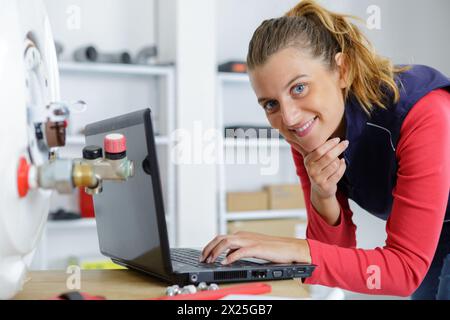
{"points": [[185, 33], [412, 31], [237, 20]]}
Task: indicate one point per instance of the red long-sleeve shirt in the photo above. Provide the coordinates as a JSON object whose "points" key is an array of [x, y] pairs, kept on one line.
{"points": [[414, 225]]}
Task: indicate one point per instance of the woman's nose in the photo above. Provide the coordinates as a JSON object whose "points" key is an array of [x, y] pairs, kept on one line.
{"points": [[291, 114]]}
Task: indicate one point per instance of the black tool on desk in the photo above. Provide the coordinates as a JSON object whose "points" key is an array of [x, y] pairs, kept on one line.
{"points": [[131, 221]]}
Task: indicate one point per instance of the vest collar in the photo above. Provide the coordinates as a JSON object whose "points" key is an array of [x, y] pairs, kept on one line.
{"points": [[356, 120]]}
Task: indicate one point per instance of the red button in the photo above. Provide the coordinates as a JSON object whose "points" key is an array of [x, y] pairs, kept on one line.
{"points": [[22, 177], [115, 143]]}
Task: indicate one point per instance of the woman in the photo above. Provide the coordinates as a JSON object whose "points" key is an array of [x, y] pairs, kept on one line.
{"points": [[362, 129]]}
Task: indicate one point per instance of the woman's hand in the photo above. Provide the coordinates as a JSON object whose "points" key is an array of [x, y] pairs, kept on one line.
{"points": [[253, 245], [324, 167]]}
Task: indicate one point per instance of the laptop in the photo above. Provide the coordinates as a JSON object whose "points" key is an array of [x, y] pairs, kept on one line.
{"points": [[131, 221]]}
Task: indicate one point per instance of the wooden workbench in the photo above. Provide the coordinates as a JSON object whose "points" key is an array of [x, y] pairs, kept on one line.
{"points": [[124, 285]]}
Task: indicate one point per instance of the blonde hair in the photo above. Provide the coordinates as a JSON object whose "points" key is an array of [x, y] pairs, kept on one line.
{"points": [[323, 34]]}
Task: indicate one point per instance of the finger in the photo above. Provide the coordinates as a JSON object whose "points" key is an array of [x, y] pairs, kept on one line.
{"points": [[231, 251], [224, 245], [245, 252], [221, 247], [322, 150], [338, 175], [331, 155], [207, 250], [331, 169]]}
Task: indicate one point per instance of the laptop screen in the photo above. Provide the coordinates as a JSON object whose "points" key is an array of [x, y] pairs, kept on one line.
{"points": [[128, 213]]}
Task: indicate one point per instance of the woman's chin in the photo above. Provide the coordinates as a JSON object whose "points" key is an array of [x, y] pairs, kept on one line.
{"points": [[310, 147]]}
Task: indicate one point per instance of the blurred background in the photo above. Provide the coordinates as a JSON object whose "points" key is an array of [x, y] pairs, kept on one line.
{"points": [[183, 59]]}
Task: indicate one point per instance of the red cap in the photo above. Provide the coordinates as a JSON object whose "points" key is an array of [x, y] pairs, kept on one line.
{"points": [[115, 143]]}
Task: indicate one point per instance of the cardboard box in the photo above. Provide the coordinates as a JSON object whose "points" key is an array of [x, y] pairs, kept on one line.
{"points": [[295, 228], [286, 196], [247, 201]]}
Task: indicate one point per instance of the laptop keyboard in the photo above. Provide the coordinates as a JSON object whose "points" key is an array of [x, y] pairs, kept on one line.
{"points": [[191, 256]]}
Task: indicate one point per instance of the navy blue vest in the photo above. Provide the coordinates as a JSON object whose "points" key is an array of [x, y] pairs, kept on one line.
{"points": [[371, 172]]}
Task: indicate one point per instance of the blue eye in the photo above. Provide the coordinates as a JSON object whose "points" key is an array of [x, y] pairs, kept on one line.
{"points": [[298, 89], [270, 106]]}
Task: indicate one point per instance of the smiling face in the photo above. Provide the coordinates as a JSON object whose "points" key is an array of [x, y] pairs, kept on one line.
{"points": [[302, 98]]}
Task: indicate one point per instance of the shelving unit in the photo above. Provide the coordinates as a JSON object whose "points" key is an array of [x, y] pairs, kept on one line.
{"points": [[252, 144], [164, 73], [84, 230]]}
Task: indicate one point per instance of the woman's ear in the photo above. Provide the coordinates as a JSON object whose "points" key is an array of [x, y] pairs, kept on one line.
{"points": [[343, 69]]}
